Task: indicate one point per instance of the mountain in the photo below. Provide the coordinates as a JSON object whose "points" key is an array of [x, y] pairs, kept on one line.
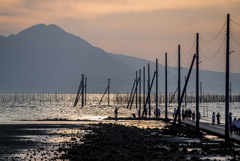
{"points": [[46, 58]]}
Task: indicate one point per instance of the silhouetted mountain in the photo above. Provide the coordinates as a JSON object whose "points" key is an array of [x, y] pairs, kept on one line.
{"points": [[46, 58]]}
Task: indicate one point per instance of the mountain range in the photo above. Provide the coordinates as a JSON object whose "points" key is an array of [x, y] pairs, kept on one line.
{"points": [[45, 58]]}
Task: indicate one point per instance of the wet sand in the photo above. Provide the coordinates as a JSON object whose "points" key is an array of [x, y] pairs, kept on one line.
{"points": [[110, 140]]}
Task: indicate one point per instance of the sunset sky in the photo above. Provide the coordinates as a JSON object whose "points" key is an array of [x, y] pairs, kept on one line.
{"points": [[139, 28]]}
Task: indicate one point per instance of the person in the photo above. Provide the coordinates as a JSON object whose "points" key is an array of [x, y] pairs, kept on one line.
{"points": [[199, 115], [145, 111], [231, 128], [230, 117], [183, 114], [238, 127], [213, 118], [116, 112], [186, 113], [218, 118], [134, 116], [158, 113], [234, 122], [190, 114], [193, 116], [175, 112]]}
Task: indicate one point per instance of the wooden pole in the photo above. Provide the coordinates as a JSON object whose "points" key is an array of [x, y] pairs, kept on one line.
{"points": [[227, 83], [197, 83], [149, 100], [82, 90], [139, 92], [166, 117], [156, 88], [108, 90], [179, 85]]}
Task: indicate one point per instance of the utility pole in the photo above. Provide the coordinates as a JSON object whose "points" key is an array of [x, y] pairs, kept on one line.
{"points": [[230, 92], [108, 90], [136, 90], [149, 100], [197, 83], [82, 90], [140, 92], [144, 86], [179, 86], [85, 91], [186, 93], [156, 88], [166, 87], [227, 82], [201, 96]]}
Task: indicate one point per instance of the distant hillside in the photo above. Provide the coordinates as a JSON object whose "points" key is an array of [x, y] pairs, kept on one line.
{"points": [[212, 82], [46, 58]]}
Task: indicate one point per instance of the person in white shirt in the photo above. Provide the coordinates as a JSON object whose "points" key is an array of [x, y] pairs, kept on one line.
{"points": [[234, 122], [238, 127]]}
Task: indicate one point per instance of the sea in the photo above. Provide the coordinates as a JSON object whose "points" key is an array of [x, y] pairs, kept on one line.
{"points": [[31, 107]]}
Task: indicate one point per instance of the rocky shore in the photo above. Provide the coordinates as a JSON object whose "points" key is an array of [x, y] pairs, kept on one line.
{"points": [[111, 140], [118, 142]]}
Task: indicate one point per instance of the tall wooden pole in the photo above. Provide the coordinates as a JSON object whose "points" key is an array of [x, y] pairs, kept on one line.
{"points": [[227, 83], [197, 83], [82, 90], [144, 86], [166, 86], [85, 91], [156, 87], [179, 85], [108, 90], [139, 92], [185, 94], [136, 90], [149, 100], [230, 92]]}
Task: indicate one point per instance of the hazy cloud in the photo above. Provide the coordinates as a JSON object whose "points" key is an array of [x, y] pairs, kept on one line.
{"points": [[145, 29]]}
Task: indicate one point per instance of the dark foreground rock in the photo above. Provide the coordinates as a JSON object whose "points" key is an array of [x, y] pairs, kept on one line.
{"points": [[118, 142]]}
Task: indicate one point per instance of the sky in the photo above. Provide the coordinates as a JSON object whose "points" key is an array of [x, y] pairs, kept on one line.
{"points": [[142, 29]]}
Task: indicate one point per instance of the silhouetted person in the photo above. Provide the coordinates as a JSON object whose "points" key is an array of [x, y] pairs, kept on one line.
{"points": [[218, 118], [116, 112], [213, 118]]}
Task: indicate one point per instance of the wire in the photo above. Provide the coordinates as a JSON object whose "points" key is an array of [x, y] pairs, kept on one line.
{"points": [[213, 85], [185, 63], [161, 62], [123, 76], [175, 56], [235, 22], [214, 54], [215, 36], [235, 40], [191, 48], [109, 78], [95, 82]]}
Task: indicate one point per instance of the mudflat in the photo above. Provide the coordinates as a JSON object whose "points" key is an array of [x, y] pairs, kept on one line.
{"points": [[113, 140]]}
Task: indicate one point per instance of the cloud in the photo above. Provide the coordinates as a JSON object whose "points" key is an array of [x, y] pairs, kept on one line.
{"points": [[141, 28]]}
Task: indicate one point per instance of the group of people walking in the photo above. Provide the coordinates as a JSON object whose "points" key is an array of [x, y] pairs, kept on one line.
{"points": [[234, 125], [214, 117], [189, 114]]}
